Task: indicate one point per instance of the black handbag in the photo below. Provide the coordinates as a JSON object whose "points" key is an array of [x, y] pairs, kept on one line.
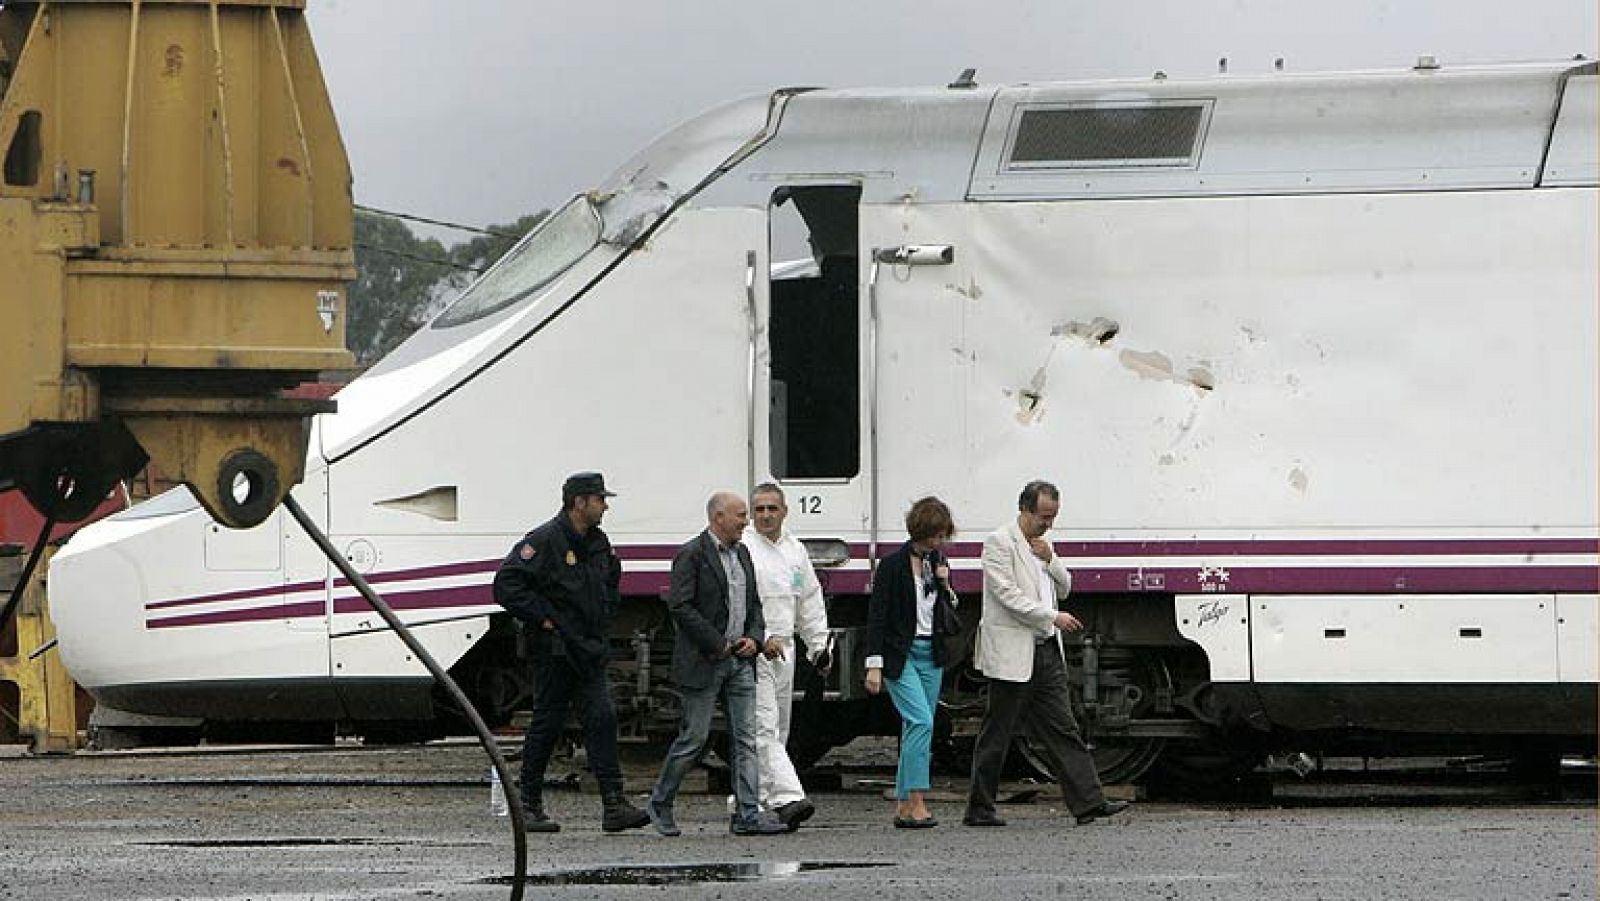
{"points": [[947, 612]]}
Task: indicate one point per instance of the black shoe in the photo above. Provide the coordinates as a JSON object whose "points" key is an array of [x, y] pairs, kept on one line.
{"points": [[982, 818], [760, 824], [1106, 809], [618, 815], [536, 820], [794, 813], [661, 816], [927, 822]]}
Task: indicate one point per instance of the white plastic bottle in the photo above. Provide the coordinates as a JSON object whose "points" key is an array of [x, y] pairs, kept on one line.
{"points": [[497, 795]]}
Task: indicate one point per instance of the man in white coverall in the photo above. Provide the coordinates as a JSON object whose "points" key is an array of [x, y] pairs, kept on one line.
{"points": [[791, 601]]}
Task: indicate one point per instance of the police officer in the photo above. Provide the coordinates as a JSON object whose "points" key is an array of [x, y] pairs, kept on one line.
{"points": [[561, 581]]}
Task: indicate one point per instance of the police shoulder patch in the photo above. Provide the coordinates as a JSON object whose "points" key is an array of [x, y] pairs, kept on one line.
{"points": [[526, 552]]}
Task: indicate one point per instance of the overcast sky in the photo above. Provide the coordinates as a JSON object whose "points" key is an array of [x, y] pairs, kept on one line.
{"points": [[478, 111]]}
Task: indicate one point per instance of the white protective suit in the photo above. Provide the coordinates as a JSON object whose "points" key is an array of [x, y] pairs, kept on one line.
{"points": [[791, 601]]}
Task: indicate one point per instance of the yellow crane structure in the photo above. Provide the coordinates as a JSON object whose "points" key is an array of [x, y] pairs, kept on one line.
{"points": [[175, 238]]}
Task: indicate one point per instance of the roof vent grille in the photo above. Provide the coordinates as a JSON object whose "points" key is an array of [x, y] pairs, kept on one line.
{"points": [[1107, 135]]}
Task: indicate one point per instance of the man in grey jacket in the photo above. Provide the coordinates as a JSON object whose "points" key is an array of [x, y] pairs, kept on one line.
{"points": [[1019, 650], [720, 631]]}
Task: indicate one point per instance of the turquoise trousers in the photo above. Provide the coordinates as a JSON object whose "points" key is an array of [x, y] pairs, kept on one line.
{"points": [[915, 693]]}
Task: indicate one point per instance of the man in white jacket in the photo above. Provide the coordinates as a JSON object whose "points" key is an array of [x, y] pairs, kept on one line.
{"points": [[791, 601], [1019, 650]]}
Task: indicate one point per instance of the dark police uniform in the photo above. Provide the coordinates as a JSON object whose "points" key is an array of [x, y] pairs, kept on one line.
{"points": [[572, 581]]}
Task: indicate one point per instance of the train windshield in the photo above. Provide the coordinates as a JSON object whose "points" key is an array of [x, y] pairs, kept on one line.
{"points": [[626, 204], [176, 500], [549, 250]]}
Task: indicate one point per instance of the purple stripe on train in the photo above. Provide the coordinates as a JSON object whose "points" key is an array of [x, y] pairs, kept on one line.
{"points": [[1279, 547], [435, 599], [398, 575], [1297, 580], [1528, 547], [1379, 580]]}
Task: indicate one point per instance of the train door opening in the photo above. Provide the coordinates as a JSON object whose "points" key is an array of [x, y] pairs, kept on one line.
{"points": [[812, 442]]}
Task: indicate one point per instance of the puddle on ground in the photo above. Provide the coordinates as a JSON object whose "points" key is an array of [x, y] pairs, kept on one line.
{"points": [[681, 874], [261, 842], [299, 842]]}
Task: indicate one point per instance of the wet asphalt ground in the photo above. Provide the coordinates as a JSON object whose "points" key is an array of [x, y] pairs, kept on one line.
{"points": [[348, 823]]}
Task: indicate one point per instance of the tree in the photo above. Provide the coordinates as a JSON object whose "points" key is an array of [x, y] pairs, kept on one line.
{"points": [[403, 280], [395, 283], [482, 251]]}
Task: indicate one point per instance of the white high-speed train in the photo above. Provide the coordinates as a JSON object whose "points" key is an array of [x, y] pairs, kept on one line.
{"points": [[1313, 359]]}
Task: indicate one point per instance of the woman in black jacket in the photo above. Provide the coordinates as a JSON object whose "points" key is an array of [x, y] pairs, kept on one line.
{"points": [[912, 606]]}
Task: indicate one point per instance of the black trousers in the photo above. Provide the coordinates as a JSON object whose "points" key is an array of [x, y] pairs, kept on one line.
{"points": [[1042, 707], [558, 683]]}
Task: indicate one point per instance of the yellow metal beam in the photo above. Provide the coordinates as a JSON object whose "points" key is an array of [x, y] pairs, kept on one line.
{"points": [[279, 4], [47, 710], [175, 198]]}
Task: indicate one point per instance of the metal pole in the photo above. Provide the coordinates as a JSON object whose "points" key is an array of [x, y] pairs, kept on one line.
{"points": [[27, 572], [750, 370], [519, 826], [872, 418]]}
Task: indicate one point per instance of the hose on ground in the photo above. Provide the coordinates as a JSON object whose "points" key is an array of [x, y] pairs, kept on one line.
{"points": [[519, 826]]}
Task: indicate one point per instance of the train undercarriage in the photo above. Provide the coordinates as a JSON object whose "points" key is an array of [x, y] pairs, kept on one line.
{"points": [[1142, 694]]}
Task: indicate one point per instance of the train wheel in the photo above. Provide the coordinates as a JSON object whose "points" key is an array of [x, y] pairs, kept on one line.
{"points": [[1130, 682], [1205, 768], [817, 728], [1125, 760], [494, 677], [962, 706], [498, 691], [401, 732]]}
